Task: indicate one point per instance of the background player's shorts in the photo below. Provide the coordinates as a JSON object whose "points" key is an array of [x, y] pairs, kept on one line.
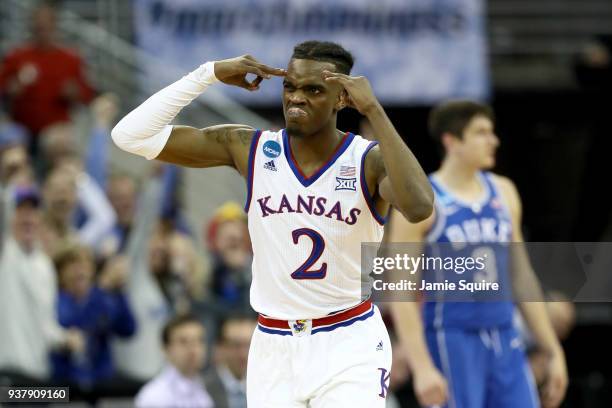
{"points": [[347, 366], [484, 368]]}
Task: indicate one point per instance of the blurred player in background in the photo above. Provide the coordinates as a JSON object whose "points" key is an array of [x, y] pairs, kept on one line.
{"points": [[314, 194], [472, 348]]}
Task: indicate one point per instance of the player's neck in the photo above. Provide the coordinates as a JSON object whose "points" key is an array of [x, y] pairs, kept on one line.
{"points": [[316, 148], [457, 175]]}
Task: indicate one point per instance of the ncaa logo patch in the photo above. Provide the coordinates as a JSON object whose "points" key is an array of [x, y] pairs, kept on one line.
{"points": [[343, 183], [271, 149]]}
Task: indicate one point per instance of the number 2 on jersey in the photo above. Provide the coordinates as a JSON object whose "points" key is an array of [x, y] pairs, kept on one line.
{"points": [[318, 245]]}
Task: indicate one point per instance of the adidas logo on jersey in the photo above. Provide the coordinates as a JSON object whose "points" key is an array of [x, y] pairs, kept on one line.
{"points": [[379, 347], [270, 165]]}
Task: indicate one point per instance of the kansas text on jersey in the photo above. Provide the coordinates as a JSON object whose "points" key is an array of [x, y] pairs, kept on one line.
{"points": [[307, 231]]}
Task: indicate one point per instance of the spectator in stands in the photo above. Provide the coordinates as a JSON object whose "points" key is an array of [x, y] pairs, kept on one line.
{"points": [[59, 142], [103, 110], [28, 293], [158, 284], [11, 133], [226, 380], [122, 194], [180, 383], [43, 79], [14, 160], [100, 309], [593, 66], [177, 267], [63, 187], [232, 255]]}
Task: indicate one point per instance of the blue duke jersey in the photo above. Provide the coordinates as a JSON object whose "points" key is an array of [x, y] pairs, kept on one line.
{"points": [[480, 229], [307, 231]]}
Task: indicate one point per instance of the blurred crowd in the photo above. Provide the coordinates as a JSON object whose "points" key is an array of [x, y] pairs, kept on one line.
{"points": [[103, 286]]}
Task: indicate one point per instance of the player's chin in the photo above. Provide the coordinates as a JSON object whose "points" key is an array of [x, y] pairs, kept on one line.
{"points": [[295, 128], [488, 164]]}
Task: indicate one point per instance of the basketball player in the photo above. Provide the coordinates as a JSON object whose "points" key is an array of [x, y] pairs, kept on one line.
{"points": [[474, 344], [314, 194]]}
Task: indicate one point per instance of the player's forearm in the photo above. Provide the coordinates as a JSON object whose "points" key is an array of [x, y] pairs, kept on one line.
{"points": [[411, 189], [145, 130], [538, 321], [409, 328], [530, 299]]}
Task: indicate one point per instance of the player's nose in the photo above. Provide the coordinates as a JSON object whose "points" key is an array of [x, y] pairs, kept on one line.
{"points": [[297, 98], [494, 140]]}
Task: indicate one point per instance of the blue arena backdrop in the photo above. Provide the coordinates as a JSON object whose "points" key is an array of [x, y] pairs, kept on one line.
{"points": [[413, 51]]}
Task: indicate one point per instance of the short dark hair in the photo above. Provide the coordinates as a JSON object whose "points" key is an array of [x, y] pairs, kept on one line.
{"points": [[175, 323], [325, 51], [236, 316], [454, 116]]}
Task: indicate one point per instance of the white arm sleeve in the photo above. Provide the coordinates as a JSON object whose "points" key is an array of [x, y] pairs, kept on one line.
{"points": [[145, 130], [100, 214]]}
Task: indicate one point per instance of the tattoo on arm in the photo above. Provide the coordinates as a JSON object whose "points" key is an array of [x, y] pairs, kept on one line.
{"points": [[227, 136]]}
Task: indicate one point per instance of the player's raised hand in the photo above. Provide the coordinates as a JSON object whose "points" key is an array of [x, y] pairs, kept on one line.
{"points": [[361, 96], [234, 71], [430, 387], [555, 385]]}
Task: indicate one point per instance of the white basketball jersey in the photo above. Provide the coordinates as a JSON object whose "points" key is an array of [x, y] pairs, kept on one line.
{"points": [[307, 231]]}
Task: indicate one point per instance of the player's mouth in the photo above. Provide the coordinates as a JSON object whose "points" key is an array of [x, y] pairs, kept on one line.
{"points": [[295, 112]]}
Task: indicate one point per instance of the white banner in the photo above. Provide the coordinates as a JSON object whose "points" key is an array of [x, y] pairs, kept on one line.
{"points": [[412, 51]]}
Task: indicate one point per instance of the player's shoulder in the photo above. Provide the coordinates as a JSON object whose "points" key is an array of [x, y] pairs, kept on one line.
{"points": [[508, 191], [503, 184], [373, 157]]}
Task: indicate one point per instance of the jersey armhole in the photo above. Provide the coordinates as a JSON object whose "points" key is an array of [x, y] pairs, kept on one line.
{"points": [[251, 169], [489, 178], [366, 192]]}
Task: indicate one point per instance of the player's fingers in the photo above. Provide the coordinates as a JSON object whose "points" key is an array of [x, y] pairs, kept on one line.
{"points": [[349, 102], [269, 70], [558, 393], [335, 77], [249, 86], [263, 68], [257, 81], [251, 68], [433, 396], [326, 74]]}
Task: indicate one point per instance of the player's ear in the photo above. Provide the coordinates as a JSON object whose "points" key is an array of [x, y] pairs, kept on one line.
{"points": [[448, 140], [342, 101]]}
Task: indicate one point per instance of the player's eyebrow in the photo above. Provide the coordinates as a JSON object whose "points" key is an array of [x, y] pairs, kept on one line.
{"points": [[317, 85]]}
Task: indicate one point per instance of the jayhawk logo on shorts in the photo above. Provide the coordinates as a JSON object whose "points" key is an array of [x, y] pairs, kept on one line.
{"points": [[299, 326]]}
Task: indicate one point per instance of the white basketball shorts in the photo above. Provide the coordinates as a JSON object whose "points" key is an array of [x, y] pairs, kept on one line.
{"points": [[343, 360]]}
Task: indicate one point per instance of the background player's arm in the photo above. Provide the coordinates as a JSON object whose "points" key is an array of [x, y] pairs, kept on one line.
{"points": [[429, 385], [528, 293], [146, 131], [406, 186]]}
